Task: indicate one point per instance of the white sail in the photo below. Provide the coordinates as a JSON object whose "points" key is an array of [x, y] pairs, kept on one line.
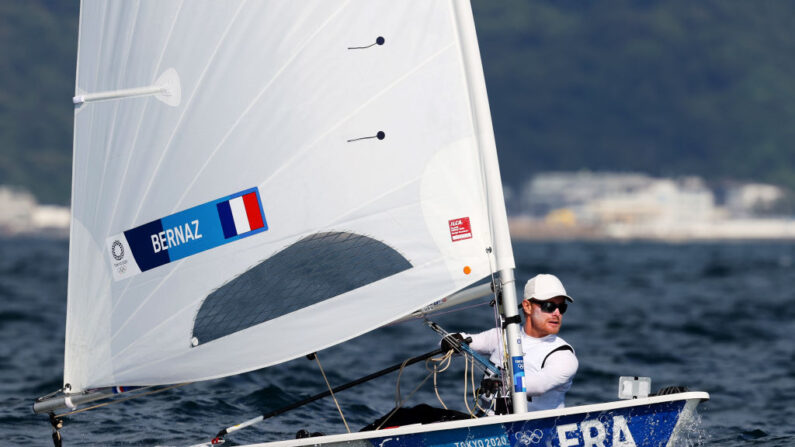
{"points": [[255, 181]]}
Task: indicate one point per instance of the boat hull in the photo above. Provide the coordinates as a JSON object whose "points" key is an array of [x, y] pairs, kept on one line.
{"points": [[653, 421]]}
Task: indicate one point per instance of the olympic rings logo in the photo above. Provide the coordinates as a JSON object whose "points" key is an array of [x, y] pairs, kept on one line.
{"points": [[533, 437]]}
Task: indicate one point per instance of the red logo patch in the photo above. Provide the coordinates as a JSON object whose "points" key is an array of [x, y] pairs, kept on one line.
{"points": [[460, 229]]}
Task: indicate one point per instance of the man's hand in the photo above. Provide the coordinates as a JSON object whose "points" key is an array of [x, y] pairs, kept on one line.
{"points": [[452, 341]]}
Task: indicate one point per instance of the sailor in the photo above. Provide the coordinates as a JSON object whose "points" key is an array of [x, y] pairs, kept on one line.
{"points": [[549, 362]]}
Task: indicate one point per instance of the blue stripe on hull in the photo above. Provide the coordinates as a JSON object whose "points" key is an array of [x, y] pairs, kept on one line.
{"points": [[648, 425]]}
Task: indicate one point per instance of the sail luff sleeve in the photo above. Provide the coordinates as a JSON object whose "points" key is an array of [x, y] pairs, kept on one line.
{"points": [[476, 82], [503, 251]]}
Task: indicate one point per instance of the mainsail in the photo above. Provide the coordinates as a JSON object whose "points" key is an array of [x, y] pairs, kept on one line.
{"points": [[255, 181]]}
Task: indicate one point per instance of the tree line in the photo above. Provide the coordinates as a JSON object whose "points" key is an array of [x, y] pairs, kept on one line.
{"points": [[663, 87]]}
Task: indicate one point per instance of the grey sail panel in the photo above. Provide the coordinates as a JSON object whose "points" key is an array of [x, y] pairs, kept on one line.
{"points": [[314, 269]]}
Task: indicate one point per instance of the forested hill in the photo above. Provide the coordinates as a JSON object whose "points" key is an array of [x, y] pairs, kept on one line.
{"points": [[669, 88], [664, 87], [38, 47]]}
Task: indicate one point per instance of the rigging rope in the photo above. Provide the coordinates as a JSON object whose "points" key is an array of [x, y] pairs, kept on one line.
{"points": [[466, 373], [456, 309], [446, 360], [398, 402], [505, 360], [496, 287], [115, 401], [498, 320], [317, 359], [470, 374], [397, 407], [472, 382]]}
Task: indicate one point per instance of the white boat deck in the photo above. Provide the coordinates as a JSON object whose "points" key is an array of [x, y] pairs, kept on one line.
{"points": [[694, 396]]}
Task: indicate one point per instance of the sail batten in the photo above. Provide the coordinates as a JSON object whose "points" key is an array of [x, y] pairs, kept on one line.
{"points": [[142, 113], [248, 108], [481, 116], [349, 116], [172, 278], [196, 89]]}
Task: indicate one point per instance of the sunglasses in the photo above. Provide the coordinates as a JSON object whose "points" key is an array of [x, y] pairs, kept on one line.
{"points": [[549, 307]]}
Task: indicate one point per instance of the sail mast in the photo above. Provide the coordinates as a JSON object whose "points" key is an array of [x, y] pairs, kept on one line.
{"points": [[502, 250]]}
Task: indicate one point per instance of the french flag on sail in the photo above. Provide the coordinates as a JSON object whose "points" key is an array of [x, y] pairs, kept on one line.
{"points": [[240, 215]]}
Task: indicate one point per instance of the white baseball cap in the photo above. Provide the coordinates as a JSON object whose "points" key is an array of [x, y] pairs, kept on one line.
{"points": [[545, 287]]}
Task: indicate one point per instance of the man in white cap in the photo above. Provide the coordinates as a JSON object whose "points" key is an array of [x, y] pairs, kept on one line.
{"points": [[549, 362]]}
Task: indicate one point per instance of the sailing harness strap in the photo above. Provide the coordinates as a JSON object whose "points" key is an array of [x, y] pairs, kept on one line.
{"points": [[559, 348]]}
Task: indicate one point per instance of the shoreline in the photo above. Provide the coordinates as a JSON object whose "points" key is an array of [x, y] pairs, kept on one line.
{"points": [[728, 230]]}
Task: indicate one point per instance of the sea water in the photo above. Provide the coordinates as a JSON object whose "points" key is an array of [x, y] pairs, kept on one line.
{"points": [[717, 317]]}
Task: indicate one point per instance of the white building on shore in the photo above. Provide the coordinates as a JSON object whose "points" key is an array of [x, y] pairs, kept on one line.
{"points": [[21, 214], [637, 206]]}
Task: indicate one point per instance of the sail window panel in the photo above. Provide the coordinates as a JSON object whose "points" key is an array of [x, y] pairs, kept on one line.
{"points": [[316, 268]]}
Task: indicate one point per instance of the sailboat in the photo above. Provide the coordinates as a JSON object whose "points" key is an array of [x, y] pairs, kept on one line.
{"points": [[253, 172]]}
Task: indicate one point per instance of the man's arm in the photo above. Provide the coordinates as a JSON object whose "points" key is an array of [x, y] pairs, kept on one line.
{"points": [[485, 342], [559, 369]]}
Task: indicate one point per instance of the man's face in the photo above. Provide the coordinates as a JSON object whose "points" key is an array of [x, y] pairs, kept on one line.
{"points": [[539, 323]]}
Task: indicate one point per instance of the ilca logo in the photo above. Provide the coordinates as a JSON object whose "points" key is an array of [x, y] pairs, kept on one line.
{"points": [[117, 250], [533, 437]]}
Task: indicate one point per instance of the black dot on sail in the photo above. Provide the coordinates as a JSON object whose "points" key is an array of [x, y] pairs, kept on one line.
{"points": [[380, 135], [380, 40]]}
